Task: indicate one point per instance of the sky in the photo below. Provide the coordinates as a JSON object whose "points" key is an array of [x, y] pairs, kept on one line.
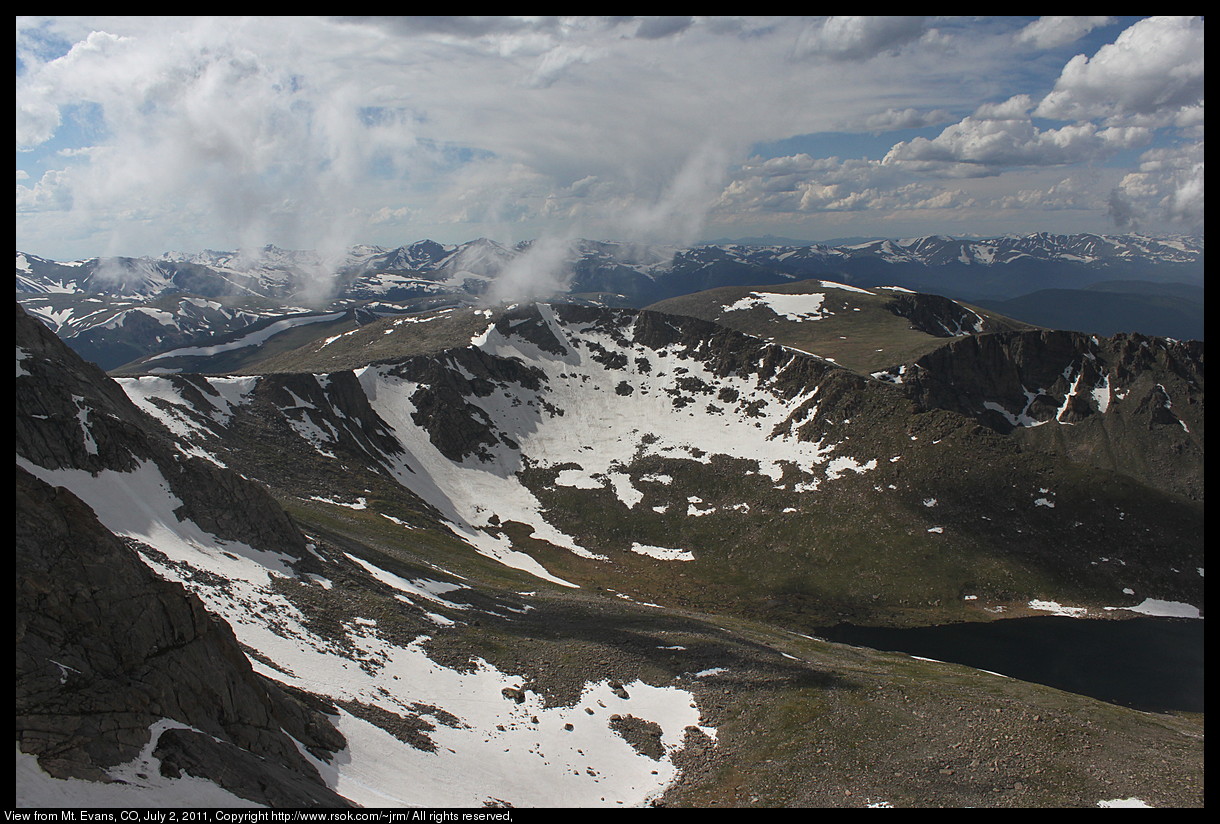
{"points": [[140, 135]]}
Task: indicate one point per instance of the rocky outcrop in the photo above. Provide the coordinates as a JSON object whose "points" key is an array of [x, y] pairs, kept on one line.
{"points": [[1131, 403], [457, 428], [71, 415], [105, 649], [941, 317], [334, 403]]}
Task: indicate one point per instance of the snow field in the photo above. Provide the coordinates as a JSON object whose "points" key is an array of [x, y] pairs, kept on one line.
{"points": [[527, 763], [138, 783], [145, 391], [588, 434], [255, 338], [793, 307]]}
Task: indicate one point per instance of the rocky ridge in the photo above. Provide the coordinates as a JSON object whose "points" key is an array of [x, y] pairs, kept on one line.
{"points": [[105, 648], [409, 478], [601, 426], [1130, 403]]}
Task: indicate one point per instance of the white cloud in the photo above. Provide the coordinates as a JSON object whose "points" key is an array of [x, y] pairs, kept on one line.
{"points": [[1000, 143], [1167, 188], [656, 27], [1052, 32], [802, 184], [859, 38], [909, 118], [224, 132], [37, 120], [1154, 69], [556, 62], [208, 125], [1014, 108], [49, 193], [1075, 192]]}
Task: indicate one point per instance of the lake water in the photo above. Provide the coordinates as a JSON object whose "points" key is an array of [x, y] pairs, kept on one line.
{"points": [[1151, 664]]}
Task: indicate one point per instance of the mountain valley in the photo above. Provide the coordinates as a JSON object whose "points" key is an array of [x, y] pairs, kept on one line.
{"points": [[572, 551]]}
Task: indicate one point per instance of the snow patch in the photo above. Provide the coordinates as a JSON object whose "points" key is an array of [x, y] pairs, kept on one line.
{"points": [[662, 553], [1163, 609], [1058, 609]]}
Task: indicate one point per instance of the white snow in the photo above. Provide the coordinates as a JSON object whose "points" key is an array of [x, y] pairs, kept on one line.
{"points": [[577, 478], [256, 338], [152, 394], [1101, 394], [793, 307], [1058, 609], [525, 763], [360, 503], [398, 521], [138, 783], [1164, 609], [1021, 418], [422, 588], [663, 553], [140, 505], [1123, 802], [593, 442]]}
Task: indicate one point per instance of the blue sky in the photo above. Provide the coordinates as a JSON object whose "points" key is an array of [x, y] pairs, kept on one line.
{"points": [[141, 135]]}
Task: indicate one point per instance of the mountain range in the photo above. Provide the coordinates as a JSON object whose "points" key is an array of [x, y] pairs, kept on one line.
{"points": [[114, 309], [417, 547]]}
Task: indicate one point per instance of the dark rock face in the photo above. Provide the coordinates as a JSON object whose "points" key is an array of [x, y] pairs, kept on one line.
{"points": [[335, 403], [1130, 403], [972, 375], [105, 648], [68, 410], [938, 316], [459, 429], [71, 415]]}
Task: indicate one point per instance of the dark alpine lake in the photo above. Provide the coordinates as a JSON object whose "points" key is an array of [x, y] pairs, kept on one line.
{"points": [[1151, 664]]}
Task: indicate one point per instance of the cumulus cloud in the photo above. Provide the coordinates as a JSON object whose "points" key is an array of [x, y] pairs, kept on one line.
{"points": [[997, 143], [859, 38], [1014, 108], [1154, 69], [909, 118], [68, 77], [802, 184], [211, 127], [1167, 188], [49, 193], [653, 28], [307, 132], [1075, 192], [1052, 32]]}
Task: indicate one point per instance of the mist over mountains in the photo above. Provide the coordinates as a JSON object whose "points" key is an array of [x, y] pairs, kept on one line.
{"points": [[1104, 279], [643, 273]]}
